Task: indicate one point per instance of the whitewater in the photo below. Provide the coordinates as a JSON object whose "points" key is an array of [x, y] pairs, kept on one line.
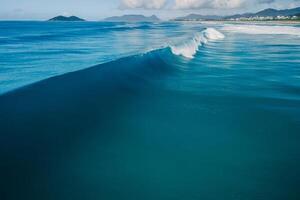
{"points": [[263, 29], [190, 48]]}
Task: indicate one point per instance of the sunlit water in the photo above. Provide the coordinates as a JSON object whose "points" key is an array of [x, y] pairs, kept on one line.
{"points": [[168, 111]]}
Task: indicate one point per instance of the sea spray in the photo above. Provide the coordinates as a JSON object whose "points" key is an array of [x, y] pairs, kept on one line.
{"points": [[189, 49]]}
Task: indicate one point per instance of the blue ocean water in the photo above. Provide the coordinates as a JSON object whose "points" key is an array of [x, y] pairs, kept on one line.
{"points": [[32, 51], [97, 110]]}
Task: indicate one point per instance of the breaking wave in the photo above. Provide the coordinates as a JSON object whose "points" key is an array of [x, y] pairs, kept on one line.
{"points": [[155, 62], [190, 48]]}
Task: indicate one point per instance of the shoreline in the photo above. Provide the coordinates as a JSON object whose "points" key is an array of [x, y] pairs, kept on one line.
{"points": [[246, 22]]}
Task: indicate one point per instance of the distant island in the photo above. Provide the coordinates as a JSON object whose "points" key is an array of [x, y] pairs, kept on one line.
{"points": [[264, 15], [66, 19], [132, 18]]}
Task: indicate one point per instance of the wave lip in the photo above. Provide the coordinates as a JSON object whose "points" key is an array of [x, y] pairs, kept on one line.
{"points": [[263, 30], [189, 49]]}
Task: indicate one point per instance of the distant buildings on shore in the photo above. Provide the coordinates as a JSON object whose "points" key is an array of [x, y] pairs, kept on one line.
{"points": [[254, 18], [265, 18], [264, 15]]}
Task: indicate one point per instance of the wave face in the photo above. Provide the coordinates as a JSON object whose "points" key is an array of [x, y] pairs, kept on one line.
{"points": [[151, 126], [189, 49], [263, 30], [25, 56]]}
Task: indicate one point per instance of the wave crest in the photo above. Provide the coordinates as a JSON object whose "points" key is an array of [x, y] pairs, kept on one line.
{"points": [[189, 49]]}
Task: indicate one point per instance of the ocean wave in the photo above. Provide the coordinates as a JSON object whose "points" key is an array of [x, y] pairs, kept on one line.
{"points": [[190, 48], [263, 29], [155, 61], [141, 68]]}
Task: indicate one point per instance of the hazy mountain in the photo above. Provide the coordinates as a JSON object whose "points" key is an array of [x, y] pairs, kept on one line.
{"points": [[66, 19], [264, 13], [269, 13], [196, 17], [133, 18]]}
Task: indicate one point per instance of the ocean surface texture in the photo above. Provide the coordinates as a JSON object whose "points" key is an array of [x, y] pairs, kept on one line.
{"points": [[143, 111]]}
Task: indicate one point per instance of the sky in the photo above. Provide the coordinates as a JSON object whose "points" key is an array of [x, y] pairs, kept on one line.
{"points": [[99, 9]]}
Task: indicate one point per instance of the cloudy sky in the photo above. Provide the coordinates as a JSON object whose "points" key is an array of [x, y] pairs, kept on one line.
{"points": [[99, 9]]}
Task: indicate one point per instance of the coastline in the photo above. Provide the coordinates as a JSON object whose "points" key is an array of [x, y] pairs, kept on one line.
{"points": [[267, 22], [246, 22]]}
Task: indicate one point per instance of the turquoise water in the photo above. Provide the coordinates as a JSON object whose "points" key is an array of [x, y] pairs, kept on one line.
{"points": [[168, 111], [33, 51]]}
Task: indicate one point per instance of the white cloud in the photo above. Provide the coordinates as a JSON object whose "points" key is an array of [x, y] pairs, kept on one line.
{"points": [[144, 4], [227, 3], [189, 4], [204, 4], [197, 4]]}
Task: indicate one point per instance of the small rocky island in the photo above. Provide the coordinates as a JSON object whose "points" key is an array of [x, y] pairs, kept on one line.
{"points": [[66, 19]]}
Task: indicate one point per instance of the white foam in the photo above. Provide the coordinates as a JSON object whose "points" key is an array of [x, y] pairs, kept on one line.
{"points": [[190, 48], [263, 30], [212, 34]]}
